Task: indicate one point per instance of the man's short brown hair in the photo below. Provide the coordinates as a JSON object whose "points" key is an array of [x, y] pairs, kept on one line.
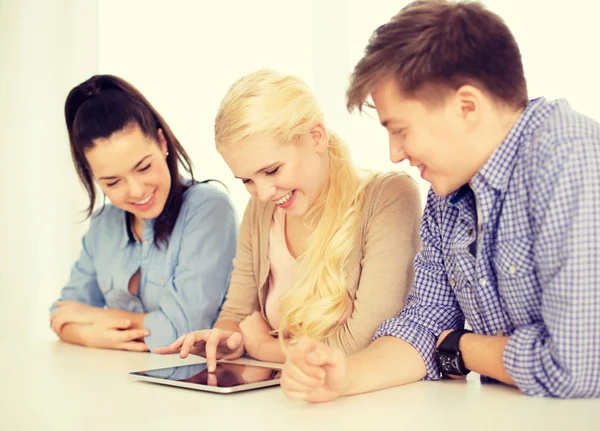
{"points": [[440, 45]]}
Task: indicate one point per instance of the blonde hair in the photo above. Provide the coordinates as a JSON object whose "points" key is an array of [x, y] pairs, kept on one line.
{"points": [[266, 103]]}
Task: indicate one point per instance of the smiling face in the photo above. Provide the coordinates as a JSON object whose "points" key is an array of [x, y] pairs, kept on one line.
{"points": [[132, 171], [292, 175], [436, 139]]}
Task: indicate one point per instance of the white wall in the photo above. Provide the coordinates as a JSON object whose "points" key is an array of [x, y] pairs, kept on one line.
{"points": [[183, 55], [45, 46]]}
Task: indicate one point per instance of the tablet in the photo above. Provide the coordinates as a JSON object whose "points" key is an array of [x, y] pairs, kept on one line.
{"points": [[227, 378]]}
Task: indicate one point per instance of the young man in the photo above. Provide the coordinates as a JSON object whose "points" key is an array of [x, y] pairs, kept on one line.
{"points": [[511, 229]]}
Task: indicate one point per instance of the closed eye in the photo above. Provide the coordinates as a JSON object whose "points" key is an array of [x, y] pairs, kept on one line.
{"points": [[114, 183], [273, 172], [145, 168]]}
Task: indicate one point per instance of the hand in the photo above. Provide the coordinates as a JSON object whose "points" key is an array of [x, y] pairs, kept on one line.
{"points": [[110, 333], [73, 312], [313, 372], [211, 344], [255, 331]]}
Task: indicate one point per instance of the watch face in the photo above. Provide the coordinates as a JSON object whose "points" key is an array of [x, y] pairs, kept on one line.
{"points": [[449, 363]]}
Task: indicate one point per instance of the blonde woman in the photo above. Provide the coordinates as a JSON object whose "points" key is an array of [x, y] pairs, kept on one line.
{"points": [[324, 250]]}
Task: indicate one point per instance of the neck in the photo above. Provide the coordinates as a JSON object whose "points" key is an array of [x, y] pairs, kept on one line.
{"points": [[137, 227], [495, 132]]}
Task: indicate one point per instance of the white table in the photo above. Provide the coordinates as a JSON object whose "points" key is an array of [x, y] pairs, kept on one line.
{"points": [[56, 386]]}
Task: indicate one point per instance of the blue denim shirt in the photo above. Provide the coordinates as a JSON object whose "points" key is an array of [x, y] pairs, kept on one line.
{"points": [[182, 284], [535, 275]]}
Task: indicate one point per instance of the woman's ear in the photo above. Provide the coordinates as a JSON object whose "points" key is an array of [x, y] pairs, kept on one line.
{"points": [[319, 137], [162, 142]]}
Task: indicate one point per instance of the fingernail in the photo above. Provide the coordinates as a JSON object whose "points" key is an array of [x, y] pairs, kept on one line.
{"points": [[232, 343], [146, 332], [211, 368]]}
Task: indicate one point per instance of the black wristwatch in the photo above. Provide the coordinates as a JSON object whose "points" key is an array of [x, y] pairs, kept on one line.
{"points": [[448, 357]]}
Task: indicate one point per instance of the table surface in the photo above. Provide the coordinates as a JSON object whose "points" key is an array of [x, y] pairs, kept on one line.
{"points": [[57, 386]]}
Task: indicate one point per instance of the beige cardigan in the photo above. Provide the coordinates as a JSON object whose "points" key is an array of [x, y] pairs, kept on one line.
{"points": [[379, 270]]}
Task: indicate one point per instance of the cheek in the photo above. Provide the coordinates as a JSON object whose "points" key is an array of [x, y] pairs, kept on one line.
{"points": [[251, 189], [114, 194]]}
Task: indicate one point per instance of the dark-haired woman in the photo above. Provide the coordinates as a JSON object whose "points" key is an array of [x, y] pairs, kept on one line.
{"points": [[156, 261]]}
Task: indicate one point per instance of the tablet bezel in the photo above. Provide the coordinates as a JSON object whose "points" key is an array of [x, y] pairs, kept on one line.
{"points": [[206, 388]]}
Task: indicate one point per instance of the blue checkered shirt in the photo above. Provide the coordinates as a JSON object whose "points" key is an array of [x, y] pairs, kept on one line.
{"points": [[528, 266]]}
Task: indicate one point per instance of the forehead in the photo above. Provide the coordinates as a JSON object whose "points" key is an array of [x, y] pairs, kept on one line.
{"points": [[119, 152], [394, 106], [246, 157]]}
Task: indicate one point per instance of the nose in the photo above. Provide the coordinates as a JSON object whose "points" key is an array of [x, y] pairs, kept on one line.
{"points": [[397, 153], [136, 189], [265, 191]]}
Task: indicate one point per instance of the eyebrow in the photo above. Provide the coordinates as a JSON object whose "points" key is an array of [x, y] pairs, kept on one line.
{"points": [[112, 177], [266, 168]]}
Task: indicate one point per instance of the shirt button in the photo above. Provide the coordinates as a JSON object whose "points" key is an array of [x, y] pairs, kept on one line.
{"points": [[146, 242], [482, 282], [513, 269], [162, 281], [452, 282], [470, 231]]}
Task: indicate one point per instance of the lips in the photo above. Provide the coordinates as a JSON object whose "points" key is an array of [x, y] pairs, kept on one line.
{"points": [[285, 198], [145, 202]]}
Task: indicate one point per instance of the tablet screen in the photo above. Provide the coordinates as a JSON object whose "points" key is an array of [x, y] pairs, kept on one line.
{"points": [[226, 375]]}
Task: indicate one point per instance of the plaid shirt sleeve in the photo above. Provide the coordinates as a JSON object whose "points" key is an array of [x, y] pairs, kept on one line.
{"points": [[432, 306], [560, 356]]}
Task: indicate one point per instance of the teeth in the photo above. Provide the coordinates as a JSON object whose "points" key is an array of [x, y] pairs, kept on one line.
{"points": [[285, 198], [145, 201]]}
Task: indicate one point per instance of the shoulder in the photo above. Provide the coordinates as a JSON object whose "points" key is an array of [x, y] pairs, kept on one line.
{"points": [[255, 212], [107, 218], [107, 227], [199, 194], [386, 187], [559, 133], [207, 203]]}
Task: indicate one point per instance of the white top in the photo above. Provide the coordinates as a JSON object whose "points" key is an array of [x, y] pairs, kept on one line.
{"points": [[57, 386]]}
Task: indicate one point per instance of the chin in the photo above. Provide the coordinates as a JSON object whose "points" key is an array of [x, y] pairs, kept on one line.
{"points": [[444, 189]]}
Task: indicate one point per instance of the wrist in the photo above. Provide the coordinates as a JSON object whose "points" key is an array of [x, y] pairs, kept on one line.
{"points": [[449, 356]]}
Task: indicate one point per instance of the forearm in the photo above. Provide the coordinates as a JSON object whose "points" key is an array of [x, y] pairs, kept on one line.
{"points": [[387, 362], [269, 350], [72, 333], [483, 354]]}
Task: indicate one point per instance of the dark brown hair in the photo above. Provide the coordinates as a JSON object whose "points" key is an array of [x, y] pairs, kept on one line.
{"points": [[440, 45], [105, 104]]}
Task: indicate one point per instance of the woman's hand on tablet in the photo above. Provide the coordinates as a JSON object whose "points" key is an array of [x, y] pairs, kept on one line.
{"points": [[211, 344], [313, 371]]}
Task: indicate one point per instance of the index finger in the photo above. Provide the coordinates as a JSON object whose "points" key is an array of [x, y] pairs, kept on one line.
{"points": [[171, 348], [189, 341]]}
